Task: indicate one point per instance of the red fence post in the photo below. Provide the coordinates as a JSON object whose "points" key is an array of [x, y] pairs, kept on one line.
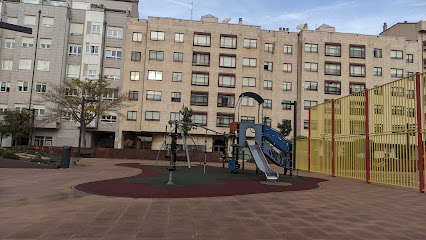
{"points": [[367, 138], [333, 153], [309, 142], [419, 134]]}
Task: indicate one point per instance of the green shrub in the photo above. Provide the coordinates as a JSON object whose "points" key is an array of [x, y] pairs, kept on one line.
{"points": [[9, 155], [23, 149]]}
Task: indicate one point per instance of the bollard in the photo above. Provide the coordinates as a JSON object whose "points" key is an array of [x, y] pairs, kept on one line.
{"points": [[66, 157]]}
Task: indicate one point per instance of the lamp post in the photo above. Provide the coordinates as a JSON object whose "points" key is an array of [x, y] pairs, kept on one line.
{"points": [[32, 125], [82, 121]]}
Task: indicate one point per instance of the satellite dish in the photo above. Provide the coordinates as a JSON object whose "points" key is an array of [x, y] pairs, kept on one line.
{"points": [[226, 20], [300, 26]]}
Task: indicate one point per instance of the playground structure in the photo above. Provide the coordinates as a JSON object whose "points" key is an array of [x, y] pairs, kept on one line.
{"points": [[268, 143]]}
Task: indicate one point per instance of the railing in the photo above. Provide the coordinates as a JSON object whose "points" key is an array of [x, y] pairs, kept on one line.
{"points": [[372, 135]]}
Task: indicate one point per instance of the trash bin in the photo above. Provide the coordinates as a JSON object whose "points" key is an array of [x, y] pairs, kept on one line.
{"points": [[66, 157]]}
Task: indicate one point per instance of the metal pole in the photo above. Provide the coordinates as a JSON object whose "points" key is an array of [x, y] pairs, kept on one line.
{"points": [[294, 135], [81, 126], [309, 142], [367, 137], [419, 106], [333, 146], [35, 59], [30, 142]]}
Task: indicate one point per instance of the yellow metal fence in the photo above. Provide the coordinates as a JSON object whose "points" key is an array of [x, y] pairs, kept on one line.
{"points": [[372, 135]]}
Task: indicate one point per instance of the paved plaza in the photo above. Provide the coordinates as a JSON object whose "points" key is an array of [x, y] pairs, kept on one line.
{"points": [[41, 204]]}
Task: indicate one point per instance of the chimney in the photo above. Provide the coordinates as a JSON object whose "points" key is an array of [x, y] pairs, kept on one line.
{"points": [[240, 21], [385, 27], [281, 28]]}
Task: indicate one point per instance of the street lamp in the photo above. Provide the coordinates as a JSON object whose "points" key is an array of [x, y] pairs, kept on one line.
{"points": [[82, 121], [32, 125]]}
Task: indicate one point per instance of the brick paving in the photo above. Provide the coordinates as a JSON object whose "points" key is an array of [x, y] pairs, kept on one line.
{"points": [[40, 204]]}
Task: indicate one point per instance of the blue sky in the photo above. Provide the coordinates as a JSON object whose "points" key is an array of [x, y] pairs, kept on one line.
{"points": [[357, 16]]}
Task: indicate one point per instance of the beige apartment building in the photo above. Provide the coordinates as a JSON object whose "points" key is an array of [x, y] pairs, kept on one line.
{"points": [[207, 64], [70, 39]]}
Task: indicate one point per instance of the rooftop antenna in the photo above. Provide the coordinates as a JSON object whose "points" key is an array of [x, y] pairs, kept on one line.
{"points": [[192, 8]]}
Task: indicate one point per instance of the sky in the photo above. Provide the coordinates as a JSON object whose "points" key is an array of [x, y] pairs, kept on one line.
{"points": [[358, 16]]}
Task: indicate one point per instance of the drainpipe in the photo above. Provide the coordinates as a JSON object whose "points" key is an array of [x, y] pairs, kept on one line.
{"points": [[35, 59]]}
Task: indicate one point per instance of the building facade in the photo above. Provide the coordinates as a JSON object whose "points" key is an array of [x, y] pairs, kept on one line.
{"points": [[206, 65], [70, 39]]}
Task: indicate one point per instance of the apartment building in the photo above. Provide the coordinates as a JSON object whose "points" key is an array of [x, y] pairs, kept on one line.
{"points": [[70, 39], [207, 64]]}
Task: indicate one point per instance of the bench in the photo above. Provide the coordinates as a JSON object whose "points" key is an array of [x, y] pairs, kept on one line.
{"points": [[84, 152]]}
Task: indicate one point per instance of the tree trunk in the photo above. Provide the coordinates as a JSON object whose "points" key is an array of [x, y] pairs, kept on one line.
{"points": [[84, 136]]}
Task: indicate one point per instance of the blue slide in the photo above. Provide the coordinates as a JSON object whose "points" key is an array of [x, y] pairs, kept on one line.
{"points": [[278, 141]]}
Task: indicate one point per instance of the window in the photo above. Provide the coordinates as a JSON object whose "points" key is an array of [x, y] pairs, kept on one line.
{"points": [[134, 76], [226, 80], [377, 71], [250, 43], [112, 73], [199, 98], [378, 53], [109, 118], [175, 116], [378, 109], [332, 50], [156, 55], [395, 72], [177, 77], [286, 86], [42, 141], [7, 64], [247, 101], [73, 92], [200, 59], [332, 68], [247, 119], [287, 67], [133, 95], [76, 29], [74, 50], [409, 58], [310, 86], [47, 22], [153, 95], [249, 81], [46, 43], [177, 57], [155, 75], [115, 33], [29, 20], [397, 91], [176, 96], [356, 87], [131, 115], [305, 124], [92, 49], [227, 41], [357, 70], [268, 66], [311, 48], [308, 104], [286, 105], [179, 37], [25, 64], [332, 87], [410, 94], [73, 71], [4, 86], [398, 110], [136, 56], [9, 43], [92, 73], [227, 61], [199, 118], [96, 29], [137, 37], [396, 54], [378, 128], [27, 42], [267, 84], [201, 39], [157, 36], [356, 51], [113, 53], [224, 119], [43, 65], [268, 122], [267, 104], [200, 79], [225, 100], [269, 47], [409, 73], [12, 20], [288, 49], [311, 67], [110, 95], [249, 62], [22, 86]]}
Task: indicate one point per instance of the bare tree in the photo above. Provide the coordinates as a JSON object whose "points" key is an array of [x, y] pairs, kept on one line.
{"points": [[66, 101]]}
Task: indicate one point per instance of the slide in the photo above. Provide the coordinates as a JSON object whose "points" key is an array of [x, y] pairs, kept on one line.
{"points": [[262, 163]]}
